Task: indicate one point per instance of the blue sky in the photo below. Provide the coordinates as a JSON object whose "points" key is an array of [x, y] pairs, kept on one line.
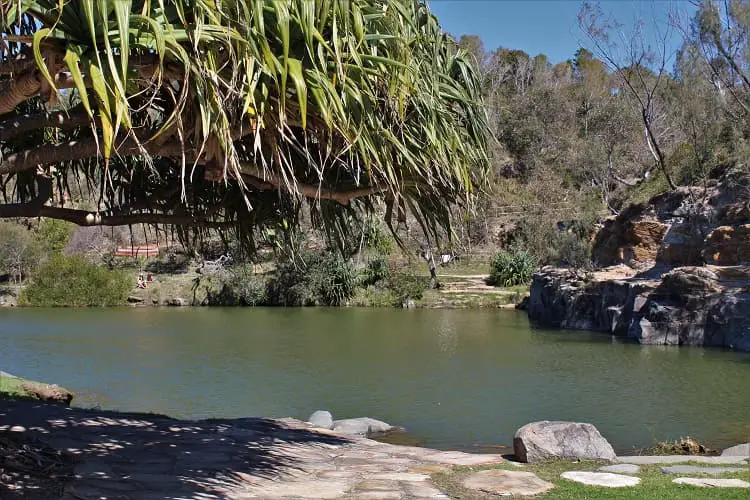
{"points": [[541, 26]]}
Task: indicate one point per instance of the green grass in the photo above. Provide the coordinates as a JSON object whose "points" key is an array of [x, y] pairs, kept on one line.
{"points": [[11, 387], [466, 267], [15, 388], [654, 485]]}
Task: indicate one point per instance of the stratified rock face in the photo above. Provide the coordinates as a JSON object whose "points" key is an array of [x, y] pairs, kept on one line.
{"points": [[707, 306], [684, 227], [728, 245], [541, 441]]}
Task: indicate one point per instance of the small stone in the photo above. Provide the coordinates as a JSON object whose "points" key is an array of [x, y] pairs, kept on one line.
{"points": [[741, 450], [322, 419], [693, 469], [621, 469], [605, 479], [507, 483], [712, 482], [18, 428]]}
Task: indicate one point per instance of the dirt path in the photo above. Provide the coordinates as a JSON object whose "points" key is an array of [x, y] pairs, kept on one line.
{"points": [[124, 456]]}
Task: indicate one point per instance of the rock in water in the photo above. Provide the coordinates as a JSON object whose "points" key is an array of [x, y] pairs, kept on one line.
{"points": [[540, 441], [362, 426], [507, 483], [741, 450], [322, 419]]}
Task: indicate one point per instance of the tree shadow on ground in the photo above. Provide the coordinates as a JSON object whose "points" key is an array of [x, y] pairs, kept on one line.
{"points": [[144, 456]]}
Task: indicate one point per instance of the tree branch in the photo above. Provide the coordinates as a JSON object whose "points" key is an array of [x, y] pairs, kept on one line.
{"points": [[267, 180], [25, 123], [86, 218]]}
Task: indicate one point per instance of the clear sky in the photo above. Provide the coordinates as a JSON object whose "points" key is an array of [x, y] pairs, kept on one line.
{"points": [[541, 26]]}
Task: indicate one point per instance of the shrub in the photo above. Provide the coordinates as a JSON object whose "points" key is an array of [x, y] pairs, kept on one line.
{"points": [[72, 281], [377, 239], [54, 235], [336, 280], [376, 271], [508, 269], [572, 250], [236, 287], [316, 279], [405, 286]]}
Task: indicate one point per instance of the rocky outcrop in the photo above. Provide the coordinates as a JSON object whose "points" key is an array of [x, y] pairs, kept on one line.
{"points": [[677, 272], [707, 306], [685, 227], [541, 441]]}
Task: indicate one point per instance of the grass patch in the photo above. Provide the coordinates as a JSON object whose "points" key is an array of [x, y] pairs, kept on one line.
{"points": [[30, 390], [655, 485]]}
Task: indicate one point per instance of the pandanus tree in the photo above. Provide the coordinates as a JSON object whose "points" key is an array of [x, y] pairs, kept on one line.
{"points": [[235, 113]]}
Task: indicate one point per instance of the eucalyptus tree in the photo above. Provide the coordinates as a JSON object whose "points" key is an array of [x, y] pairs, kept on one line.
{"points": [[233, 114]]}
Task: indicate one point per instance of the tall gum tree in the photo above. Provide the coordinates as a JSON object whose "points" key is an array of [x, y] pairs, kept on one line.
{"points": [[234, 114]]}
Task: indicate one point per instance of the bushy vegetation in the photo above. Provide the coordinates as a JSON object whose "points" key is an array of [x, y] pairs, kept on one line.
{"points": [[237, 286], [405, 286], [377, 270], [66, 280], [511, 269], [322, 278]]}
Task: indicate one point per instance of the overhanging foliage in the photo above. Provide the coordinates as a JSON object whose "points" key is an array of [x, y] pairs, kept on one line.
{"points": [[231, 113]]}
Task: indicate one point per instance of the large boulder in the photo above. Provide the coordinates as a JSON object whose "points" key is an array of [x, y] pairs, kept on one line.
{"points": [[541, 441], [322, 419]]}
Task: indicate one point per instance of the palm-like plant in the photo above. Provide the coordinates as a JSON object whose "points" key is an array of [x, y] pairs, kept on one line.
{"points": [[209, 112]]}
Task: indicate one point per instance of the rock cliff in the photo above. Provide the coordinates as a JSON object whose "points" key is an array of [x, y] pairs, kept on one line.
{"points": [[677, 272]]}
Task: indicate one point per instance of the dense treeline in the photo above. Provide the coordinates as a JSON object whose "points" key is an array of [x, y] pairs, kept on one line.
{"points": [[616, 123]]}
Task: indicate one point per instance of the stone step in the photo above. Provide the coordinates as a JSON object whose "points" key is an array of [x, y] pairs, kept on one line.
{"points": [[692, 469], [679, 459]]}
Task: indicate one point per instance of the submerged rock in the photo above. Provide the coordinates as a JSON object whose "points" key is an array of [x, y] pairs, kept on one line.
{"points": [[541, 441]]}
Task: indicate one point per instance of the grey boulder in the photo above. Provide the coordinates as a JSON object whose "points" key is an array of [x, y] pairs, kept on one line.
{"points": [[364, 426], [741, 450], [322, 419], [541, 441]]}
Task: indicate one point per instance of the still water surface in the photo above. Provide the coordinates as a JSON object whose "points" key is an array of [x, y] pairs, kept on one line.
{"points": [[454, 379]]}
